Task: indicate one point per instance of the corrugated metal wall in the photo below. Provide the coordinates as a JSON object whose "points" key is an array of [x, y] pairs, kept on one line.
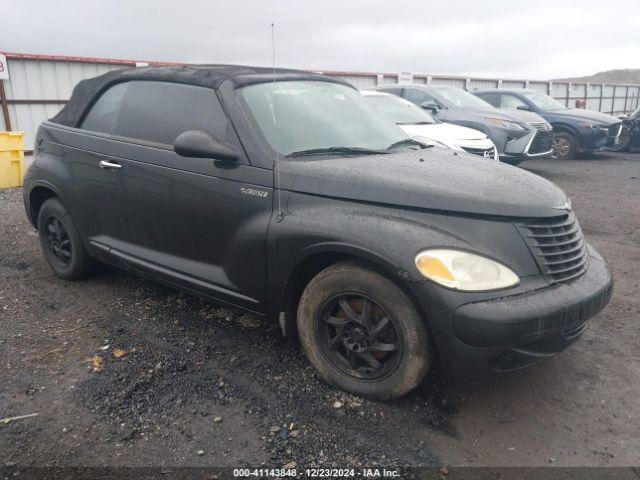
{"points": [[39, 86], [612, 99]]}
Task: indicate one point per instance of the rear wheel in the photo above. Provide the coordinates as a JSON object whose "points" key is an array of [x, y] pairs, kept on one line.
{"points": [[564, 146], [61, 243], [362, 332]]}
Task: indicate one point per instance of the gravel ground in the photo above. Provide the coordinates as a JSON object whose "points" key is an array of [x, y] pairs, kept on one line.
{"points": [[121, 371]]}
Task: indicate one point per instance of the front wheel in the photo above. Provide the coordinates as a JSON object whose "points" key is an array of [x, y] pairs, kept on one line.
{"points": [[363, 333], [564, 146]]}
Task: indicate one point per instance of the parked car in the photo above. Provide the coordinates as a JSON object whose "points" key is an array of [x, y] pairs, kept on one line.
{"points": [[518, 135], [574, 130], [286, 195], [630, 133], [419, 124]]}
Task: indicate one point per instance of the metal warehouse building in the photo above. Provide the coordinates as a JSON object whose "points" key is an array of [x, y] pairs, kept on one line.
{"points": [[39, 85]]}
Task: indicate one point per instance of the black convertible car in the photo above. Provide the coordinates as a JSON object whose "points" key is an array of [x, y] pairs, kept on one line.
{"points": [[285, 194]]}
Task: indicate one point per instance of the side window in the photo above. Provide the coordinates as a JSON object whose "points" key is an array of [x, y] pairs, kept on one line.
{"points": [[511, 101], [158, 112], [491, 98], [103, 116], [418, 97]]}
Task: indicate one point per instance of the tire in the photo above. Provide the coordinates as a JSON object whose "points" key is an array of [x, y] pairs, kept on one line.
{"points": [[61, 243], [332, 340], [564, 146]]}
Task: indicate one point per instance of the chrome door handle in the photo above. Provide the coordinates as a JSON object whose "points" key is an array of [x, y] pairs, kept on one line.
{"points": [[109, 165]]}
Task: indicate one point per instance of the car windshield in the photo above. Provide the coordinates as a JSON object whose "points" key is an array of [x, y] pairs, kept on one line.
{"points": [[544, 102], [399, 111], [459, 98], [297, 116]]}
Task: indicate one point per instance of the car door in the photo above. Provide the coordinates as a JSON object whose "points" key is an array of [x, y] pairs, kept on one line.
{"points": [[99, 189], [189, 221]]}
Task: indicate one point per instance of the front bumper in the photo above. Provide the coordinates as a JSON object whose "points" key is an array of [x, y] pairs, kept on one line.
{"points": [[537, 143], [482, 147], [511, 332], [598, 139]]}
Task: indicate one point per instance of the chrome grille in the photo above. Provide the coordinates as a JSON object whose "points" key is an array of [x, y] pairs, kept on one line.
{"points": [[543, 139], [558, 246]]}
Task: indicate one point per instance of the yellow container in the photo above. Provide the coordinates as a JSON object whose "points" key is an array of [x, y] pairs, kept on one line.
{"points": [[11, 159]]}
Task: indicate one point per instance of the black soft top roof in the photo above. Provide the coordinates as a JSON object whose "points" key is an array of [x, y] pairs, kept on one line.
{"points": [[87, 91]]}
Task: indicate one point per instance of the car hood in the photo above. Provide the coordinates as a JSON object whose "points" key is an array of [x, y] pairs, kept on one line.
{"points": [[588, 115], [521, 116], [445, 132], [433, 179]]}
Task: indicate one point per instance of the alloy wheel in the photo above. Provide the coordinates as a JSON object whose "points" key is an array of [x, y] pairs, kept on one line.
{"points": [[358, 336], [561, 148], [58, 240]]}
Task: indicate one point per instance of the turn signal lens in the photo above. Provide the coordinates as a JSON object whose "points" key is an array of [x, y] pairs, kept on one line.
{"points": [[464, 271], [434, 269]]}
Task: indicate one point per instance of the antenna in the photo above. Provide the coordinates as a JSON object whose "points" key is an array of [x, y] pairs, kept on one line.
{"points": [[276, 164]]}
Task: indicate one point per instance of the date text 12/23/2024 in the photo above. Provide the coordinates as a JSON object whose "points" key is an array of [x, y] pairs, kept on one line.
{"points": [[316, 472]]}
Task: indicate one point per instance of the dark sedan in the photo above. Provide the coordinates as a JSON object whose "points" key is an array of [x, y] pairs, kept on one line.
{"points": [[574, 130]]}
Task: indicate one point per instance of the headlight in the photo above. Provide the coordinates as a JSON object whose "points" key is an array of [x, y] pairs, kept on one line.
{"points": [[464, 271], [591, 125], [509, 125]]}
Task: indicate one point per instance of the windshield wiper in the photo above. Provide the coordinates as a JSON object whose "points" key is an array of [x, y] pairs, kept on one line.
{"points": [[407, 142], [338, 151]]}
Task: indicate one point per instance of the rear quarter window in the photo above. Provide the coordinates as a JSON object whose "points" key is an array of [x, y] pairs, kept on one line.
{"points": [[157, 112], [103, 116]]}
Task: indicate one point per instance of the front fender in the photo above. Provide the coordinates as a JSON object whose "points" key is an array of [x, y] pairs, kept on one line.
{"points": [[566, 127], [386, 236], [352, 250]]}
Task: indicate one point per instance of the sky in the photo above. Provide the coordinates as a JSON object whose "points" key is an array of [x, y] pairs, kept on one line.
{"points": [[486, 38]]}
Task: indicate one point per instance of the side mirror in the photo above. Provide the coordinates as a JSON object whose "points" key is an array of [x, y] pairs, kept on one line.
{"points": [[430, 105], [199, 144], [524, 107]]}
